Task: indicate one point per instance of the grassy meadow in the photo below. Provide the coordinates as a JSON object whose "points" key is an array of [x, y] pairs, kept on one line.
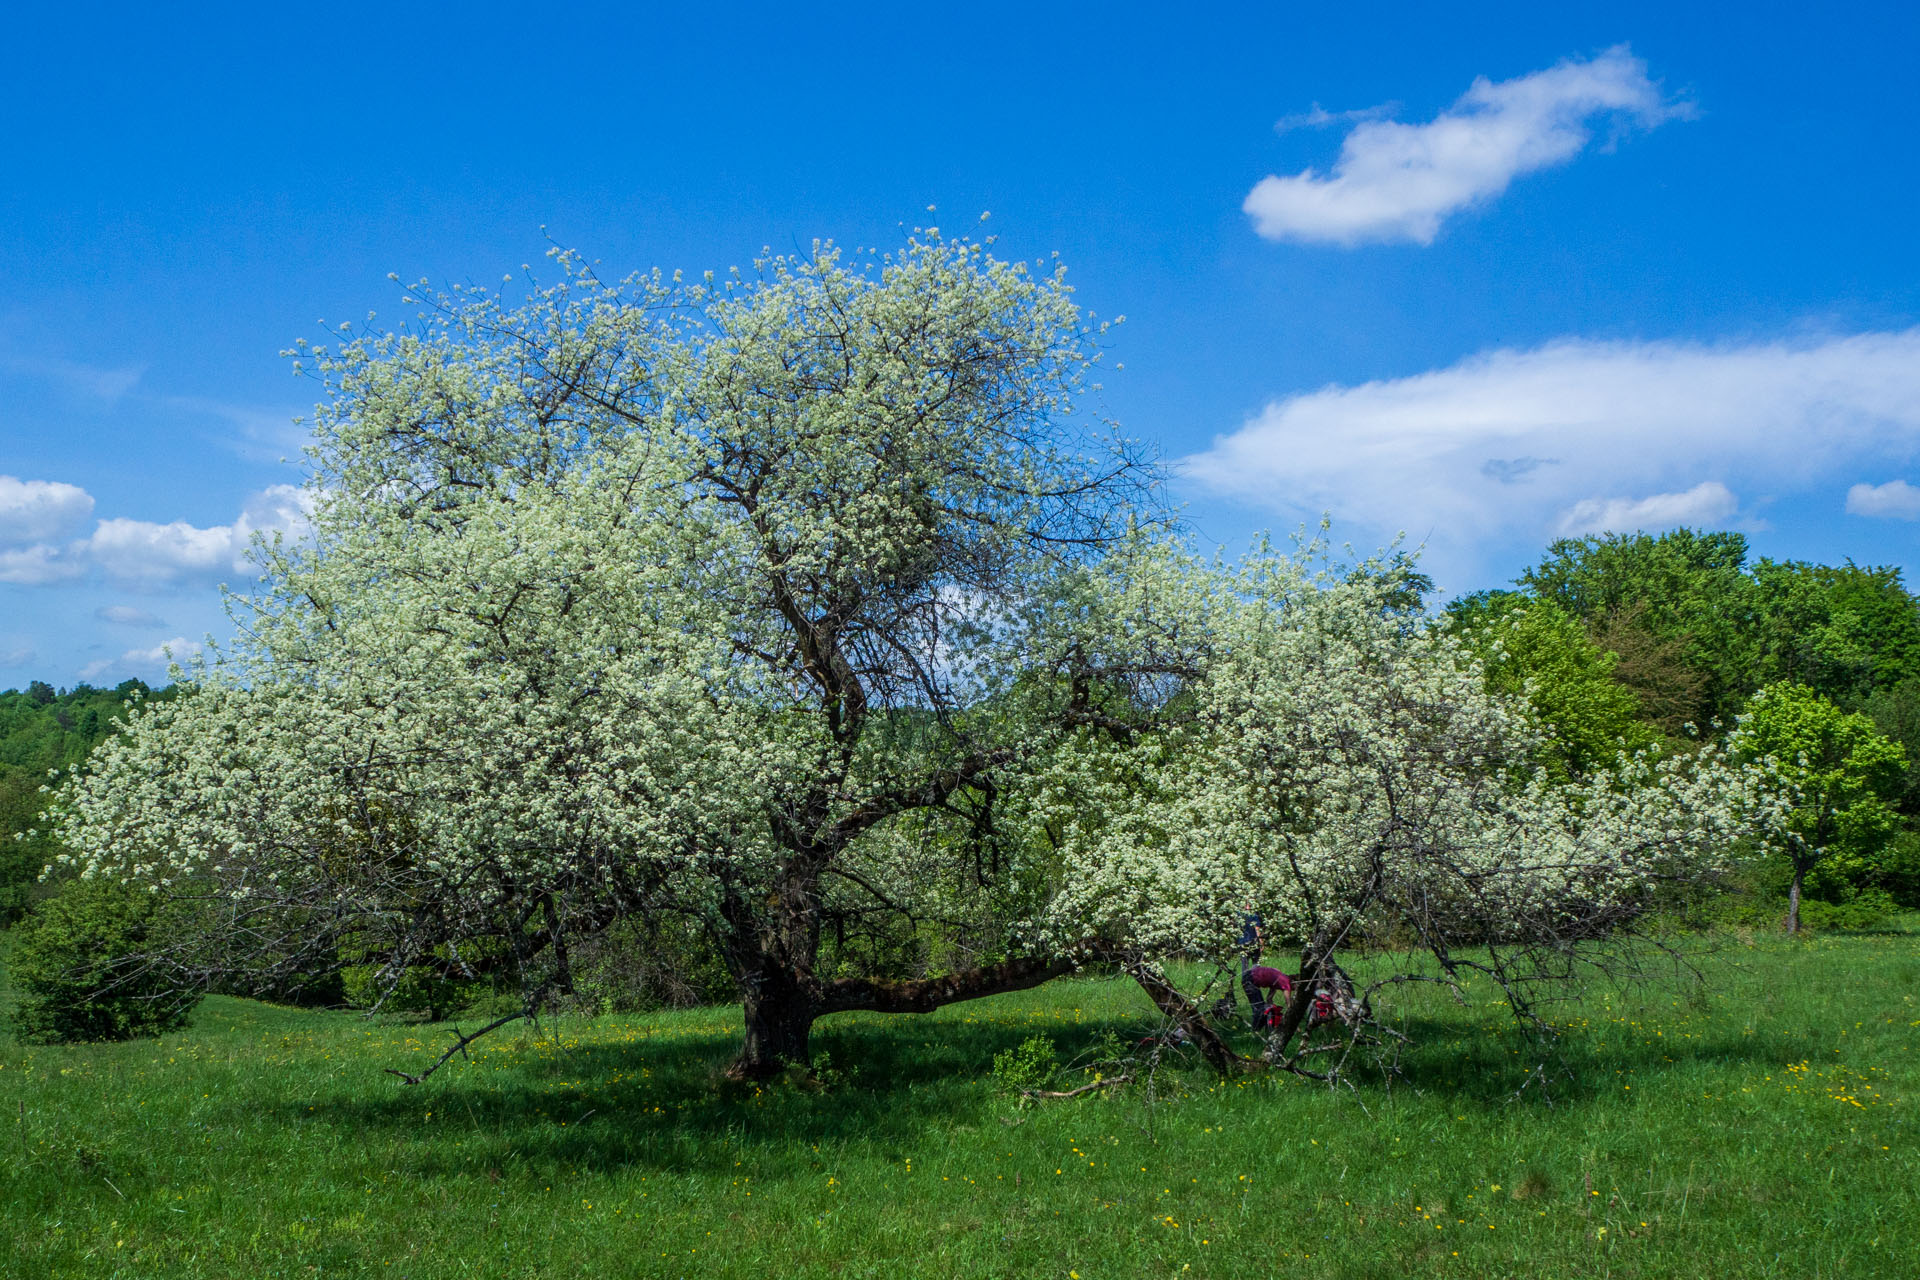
{"points": [[1766, 1129]]}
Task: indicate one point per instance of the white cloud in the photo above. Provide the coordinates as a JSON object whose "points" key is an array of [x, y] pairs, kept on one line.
{"points": [[146, 553], [153, 661], [141, 551], [41, 510], [1396, 181], [1707, 503], [125, 615], [1525, 443], [1894, 500], [37, 566], [18, 655]]}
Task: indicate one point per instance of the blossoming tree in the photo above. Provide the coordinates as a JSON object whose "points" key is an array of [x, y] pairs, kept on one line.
{"points": [[1340, 766], [743, 600], [806, 597]]}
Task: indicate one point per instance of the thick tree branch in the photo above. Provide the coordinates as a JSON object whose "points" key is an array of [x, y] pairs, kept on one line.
{"points": [[924, 995]]}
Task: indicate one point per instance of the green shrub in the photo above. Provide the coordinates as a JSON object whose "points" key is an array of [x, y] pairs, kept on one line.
{"points": [[1866, 909], [81, 968], [1032, 1066]]}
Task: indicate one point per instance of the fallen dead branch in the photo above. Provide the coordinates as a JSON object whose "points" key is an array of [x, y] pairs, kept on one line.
{"points": [[1108, 1083]]}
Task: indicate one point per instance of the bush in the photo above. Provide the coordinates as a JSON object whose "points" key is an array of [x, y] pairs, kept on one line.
{"points": [[1032, 1066], [1867, 909], [80, 968]]}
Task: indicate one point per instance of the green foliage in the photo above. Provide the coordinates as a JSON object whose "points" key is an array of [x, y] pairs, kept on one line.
{"points": [[80, 970], [1866, 909], [436, 987], [1846, 632], [1684, 587], [1535, 648], [1899, 872], [1841, 774], [1896, 713], [1843, 771], [1030, 1066], [1697, 630]]}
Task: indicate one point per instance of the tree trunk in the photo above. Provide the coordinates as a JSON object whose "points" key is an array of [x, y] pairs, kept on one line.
{"points": [[771, 948], [779, 1024], [1185, 1015], [1793, 897]]}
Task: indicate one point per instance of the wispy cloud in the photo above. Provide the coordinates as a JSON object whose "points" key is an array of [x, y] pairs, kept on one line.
{"points": [[125, 615], [1318, 117], [97, 382], [1396, 181], [1708, 503], [1581, 435], [259, 433], [150, 661], [1894, 500]]}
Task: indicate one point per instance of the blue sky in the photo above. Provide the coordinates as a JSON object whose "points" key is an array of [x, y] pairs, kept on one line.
{"points": [[1486, 275]]}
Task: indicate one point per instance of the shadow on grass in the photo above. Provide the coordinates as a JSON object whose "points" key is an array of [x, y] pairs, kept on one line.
{"points": [[664, 1102], [1490, 1068]]}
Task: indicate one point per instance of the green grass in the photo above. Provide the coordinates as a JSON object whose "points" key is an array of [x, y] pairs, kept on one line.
{"points": [[1767, 1131]]}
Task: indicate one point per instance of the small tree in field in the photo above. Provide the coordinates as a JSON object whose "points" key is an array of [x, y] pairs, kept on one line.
{"points": [[1341, 765], [748, 603], [1839, 775]]}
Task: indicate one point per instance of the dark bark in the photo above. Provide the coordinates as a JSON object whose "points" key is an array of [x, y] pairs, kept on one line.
{"points": [[1186, 1015], [779, 1023], [782, 1006], [928, 994], [771, 952]]}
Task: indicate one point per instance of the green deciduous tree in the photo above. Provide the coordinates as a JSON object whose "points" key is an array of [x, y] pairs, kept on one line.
{"points": [[1532, 648], [1683, 588], [1838, 773], [1846, 632]]}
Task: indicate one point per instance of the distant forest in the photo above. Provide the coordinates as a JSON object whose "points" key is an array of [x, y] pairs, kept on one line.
{"points": [[1622, 638]]}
